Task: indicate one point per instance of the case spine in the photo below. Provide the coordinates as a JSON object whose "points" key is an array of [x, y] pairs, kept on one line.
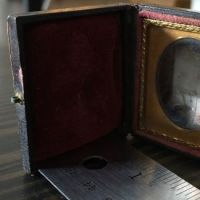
{"points": [[19, 91]]}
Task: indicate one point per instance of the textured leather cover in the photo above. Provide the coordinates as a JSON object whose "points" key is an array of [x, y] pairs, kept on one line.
{"points": [[18, 86]]}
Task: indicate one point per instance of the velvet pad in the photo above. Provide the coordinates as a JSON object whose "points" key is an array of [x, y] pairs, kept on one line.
{"points": [[73, 67]]}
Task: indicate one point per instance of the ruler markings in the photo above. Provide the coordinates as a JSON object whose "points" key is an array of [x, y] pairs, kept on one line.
{"points": [[141, 180], [184, 185], [191, 191], [170, 179], [164, 174], [174, 185], [183, 191], [165, 178], [173, 182], [193, 194]]}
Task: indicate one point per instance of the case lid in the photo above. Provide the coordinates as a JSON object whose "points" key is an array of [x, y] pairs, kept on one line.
{"points": [[70, 72]]}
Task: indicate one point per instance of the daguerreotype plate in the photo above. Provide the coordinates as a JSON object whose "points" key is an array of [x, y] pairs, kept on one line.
{"points": [[178, 82], [170, 85]]}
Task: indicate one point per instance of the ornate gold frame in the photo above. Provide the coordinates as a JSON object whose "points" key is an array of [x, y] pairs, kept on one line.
{"points": [[165, 33]]}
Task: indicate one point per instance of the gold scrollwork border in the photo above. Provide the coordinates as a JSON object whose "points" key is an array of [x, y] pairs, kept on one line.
{"points": [[163, 24]]}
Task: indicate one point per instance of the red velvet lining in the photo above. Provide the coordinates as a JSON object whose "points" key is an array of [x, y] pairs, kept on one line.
{"points": [[74, 68]]}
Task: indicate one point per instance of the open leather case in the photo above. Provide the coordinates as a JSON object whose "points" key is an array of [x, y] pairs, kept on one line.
{"points": [[85, 78]]}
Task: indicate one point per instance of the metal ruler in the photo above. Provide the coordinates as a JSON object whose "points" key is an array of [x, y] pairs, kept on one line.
{"points": [[134, 178]]}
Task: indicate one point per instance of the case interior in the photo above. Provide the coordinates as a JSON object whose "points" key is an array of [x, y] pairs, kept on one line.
{"points": [[77, 73], [74, 68], [82, 75], [78, 70]]}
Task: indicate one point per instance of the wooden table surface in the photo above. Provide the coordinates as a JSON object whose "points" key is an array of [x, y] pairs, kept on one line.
{"points": [[55, 4], [14, 184]]}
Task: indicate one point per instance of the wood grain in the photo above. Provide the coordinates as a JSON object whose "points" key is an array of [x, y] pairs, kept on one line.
{"points": [[56, 4]]}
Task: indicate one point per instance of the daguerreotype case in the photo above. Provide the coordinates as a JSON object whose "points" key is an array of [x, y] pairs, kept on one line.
{"points": [[85, 78]]}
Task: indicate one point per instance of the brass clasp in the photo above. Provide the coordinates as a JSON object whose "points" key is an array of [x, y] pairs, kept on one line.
{"points": [[17, 99]]}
